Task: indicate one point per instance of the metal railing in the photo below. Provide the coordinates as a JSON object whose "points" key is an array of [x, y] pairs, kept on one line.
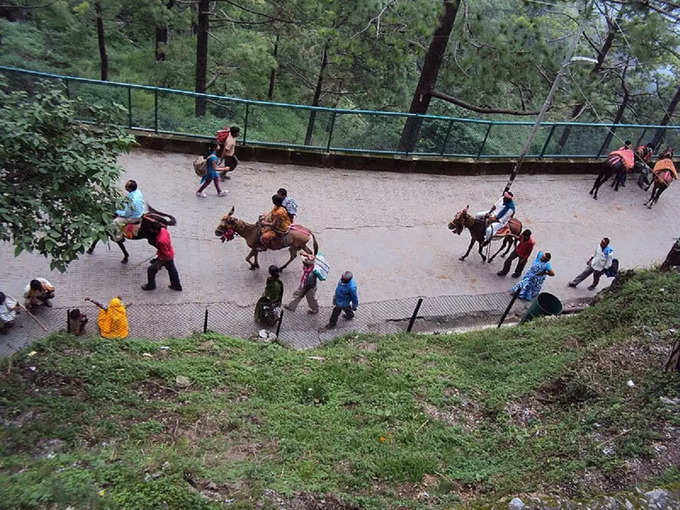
{"points": [[265, 123]]}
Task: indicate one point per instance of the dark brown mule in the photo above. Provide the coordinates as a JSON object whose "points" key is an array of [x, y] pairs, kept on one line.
{"points": [[297, 239], [144, 232], [477, 228]]}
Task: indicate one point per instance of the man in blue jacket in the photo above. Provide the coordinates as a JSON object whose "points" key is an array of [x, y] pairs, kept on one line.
{"points": [[134, 209], [345, 299]]}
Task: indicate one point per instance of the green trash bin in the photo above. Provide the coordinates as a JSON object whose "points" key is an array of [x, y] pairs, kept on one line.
{"points": [[544, 304]]}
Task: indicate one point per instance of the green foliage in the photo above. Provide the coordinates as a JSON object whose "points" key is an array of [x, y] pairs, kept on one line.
{"points": [[485, 414], [58, 177]]}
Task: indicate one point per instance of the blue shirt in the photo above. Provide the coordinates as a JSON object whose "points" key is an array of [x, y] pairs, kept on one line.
{"points": [[135, 206], [210, 166], [504, 210], [346, 294]]}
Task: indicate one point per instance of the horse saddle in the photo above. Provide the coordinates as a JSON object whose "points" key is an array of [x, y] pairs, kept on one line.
{"points": [[131, 229], [507, 229]]}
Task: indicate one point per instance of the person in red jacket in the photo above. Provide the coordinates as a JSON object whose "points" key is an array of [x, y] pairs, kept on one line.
{"points": [[521, 252], [164, 258]]}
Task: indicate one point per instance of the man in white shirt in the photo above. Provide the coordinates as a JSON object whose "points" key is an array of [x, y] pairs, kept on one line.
{"points": [[597, 264], [8, 312], [228, 155]]}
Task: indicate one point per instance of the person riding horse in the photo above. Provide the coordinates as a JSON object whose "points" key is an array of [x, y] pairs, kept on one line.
{"points": [[276, 223], [506, 210]]}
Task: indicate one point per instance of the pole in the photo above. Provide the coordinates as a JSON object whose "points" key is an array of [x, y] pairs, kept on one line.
{"points": [[245, 125], [278, 326], [68, 322], [330, 133], [129, 90], [548, 99], [414, 315], [155, 110], [205, 321], [507, 310]]}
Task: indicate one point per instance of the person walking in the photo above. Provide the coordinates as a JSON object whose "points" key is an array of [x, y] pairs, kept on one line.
{"points": [[133, 211], [165, 256], [229, 161], [112, 320], [345, 299], [288, 203], [38, 292], [211, 175], [596, 265], [266, 308], [307, 286], [530, 285], [521, 252]]}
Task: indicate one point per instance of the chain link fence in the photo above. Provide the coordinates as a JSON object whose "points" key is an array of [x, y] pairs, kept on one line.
{"points": [[297, 330]]}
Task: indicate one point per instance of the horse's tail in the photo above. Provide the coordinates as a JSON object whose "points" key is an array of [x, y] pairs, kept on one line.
{"points": [[316, 245], [167, 219]]}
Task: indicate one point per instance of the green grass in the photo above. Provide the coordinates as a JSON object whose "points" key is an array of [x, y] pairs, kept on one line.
{"points": [[540, 408]]}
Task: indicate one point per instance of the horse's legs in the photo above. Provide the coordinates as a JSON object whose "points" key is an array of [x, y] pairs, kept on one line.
{"points": [[126, 255], [512, 243], [472, 241], [253, 265], [499, 250], [481, 247], [91, 248], [293, 253]]}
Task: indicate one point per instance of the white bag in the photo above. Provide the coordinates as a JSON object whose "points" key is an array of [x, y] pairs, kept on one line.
{"points": [[321, 267]]}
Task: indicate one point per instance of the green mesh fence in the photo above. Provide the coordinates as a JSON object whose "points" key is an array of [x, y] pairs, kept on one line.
{"points": [[162, 110]]}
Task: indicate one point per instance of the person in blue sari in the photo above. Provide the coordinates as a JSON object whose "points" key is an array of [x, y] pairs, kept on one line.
{"points": [[211, 175], [530, 285]]}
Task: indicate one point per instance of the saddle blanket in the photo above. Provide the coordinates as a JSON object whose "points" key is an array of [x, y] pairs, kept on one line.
{"points": [[130, 230]]}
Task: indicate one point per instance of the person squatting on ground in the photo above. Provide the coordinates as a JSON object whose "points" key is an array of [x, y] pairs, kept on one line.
{"points": [[345, 299], [211, 175], [521, 252], [267, 307], [38, 292], [596, 265], [134, 209], [76, 322], [307, 288], [643, 157], [112, 320], [228, 159], [530, 285], [289, 204], [8, 312], [499, 219], [165, 256], [664, 174], [275, 223]]}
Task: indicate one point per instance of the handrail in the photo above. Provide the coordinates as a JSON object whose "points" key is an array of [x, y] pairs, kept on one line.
{"points": [[497, 145]]}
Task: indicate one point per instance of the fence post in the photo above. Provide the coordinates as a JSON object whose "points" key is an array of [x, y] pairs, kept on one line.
{"points": [[155, 110], [205, 321], [507, 310], [481, 148], [414, 315], [278, 326], [547, 141], [446, 138], [68, 90], [68, 322], [129, 107], [245, 125], [330, 134]]}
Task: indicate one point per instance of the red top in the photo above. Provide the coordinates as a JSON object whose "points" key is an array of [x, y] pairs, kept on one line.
{"points": [[524, 248], [164, 249]]}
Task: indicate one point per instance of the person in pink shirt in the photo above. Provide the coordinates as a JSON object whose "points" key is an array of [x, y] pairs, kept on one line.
{"points": [[165, 256]]}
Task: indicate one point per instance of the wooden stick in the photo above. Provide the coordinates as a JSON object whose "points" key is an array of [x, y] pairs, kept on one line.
{"points": [[29, 313], [145, 261]]}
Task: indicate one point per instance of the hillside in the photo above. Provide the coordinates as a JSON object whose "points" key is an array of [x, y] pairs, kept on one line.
{"points": [[406, 421]]}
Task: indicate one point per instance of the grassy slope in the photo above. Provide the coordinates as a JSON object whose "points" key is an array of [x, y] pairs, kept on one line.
{"points": [[376, 421]]}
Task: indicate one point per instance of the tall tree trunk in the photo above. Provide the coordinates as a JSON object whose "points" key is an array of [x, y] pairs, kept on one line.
{"points": [[428, 76], [617, 120], [317, 95], [161, 38], [658, 136], [202, 54], [601, 54], [102, 42], [272, 75]]}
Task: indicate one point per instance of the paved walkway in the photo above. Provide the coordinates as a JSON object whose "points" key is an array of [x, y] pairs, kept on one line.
{"points": [[389, 229]]}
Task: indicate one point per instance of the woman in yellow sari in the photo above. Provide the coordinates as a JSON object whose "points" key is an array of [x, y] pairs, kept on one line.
{"points": [[112, 319]]}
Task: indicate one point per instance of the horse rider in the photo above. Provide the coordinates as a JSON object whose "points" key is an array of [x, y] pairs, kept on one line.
{"points": [[289, 203], [643, 156], [276, 223], [505, 210], [134, 209]]}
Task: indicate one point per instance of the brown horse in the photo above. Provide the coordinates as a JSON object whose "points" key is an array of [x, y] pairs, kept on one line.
{"points": [[477, 228], [296, 240]]}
